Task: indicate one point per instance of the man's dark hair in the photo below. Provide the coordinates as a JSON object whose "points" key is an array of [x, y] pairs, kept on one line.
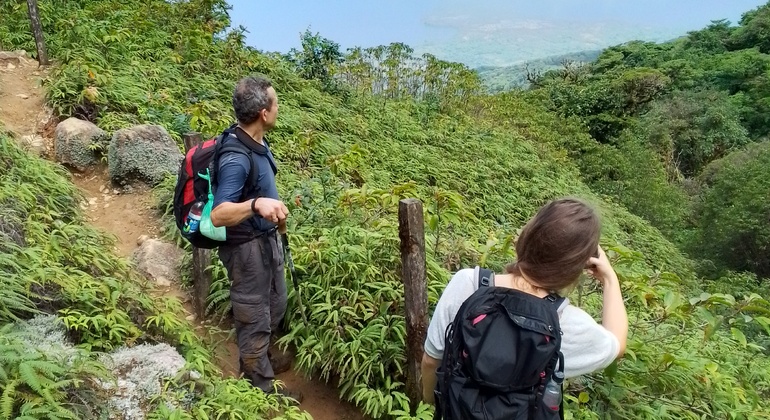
{"points": [[250, 97]]}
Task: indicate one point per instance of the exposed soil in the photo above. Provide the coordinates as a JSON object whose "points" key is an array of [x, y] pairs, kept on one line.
{"points": [[126, 214], [22, 100]]}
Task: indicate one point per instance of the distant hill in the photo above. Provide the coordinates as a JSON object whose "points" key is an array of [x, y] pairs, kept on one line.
{"points": [[521, 41], [501, 52], [499, 79]]}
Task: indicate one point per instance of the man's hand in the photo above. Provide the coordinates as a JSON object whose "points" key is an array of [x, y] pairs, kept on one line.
{"points": [[271, 210]]}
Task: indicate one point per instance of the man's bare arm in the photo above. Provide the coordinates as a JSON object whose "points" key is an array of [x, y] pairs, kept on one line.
{"points": [[233, 214]]}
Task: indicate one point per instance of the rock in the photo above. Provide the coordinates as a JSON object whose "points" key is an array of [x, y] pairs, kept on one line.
{"points": [[92, 201], [145, 153], [103, 189], [140, 240], [45, 122], [140, 373], [9, 57], [76, 143], [10, 66], [116, 191], [190, 318], [34, 143], [22, 95], [158, 261]]}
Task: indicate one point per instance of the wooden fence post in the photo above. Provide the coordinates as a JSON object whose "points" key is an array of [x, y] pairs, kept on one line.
{"points": [[201, 257], [37, 31], [411, 231]]}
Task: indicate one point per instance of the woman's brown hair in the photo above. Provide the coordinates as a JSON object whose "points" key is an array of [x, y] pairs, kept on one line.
{"points": [[555, 245]]}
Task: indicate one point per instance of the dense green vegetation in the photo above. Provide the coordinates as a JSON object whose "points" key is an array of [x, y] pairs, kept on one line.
{"points": [[52, 262], [661, 114], [359, 131]]}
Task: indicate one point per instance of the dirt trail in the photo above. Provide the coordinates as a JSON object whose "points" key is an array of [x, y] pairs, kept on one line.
{"points": [[127, 215]]}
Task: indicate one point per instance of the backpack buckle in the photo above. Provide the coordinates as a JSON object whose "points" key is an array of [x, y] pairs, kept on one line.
{"points": [[485, 277], [484, 281]]}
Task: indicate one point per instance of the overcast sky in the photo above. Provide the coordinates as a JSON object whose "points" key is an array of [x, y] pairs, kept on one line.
{"points": [[275, 25]]}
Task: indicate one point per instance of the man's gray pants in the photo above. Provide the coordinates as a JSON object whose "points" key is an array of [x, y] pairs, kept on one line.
{"points": [[258, 296]]}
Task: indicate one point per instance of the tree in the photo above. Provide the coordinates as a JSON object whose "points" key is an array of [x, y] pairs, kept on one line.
{"points": [[753, 31], [733, 209], [632, 173], [318, 58], [691, 129], [712, 39], [37, 30]]}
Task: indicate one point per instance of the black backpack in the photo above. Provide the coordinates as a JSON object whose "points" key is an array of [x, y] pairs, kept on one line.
{"points": [[191, 187], [499, 352]]}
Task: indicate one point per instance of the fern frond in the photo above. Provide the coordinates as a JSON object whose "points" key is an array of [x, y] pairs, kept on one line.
{"points": [[7, 399], [38, 374], [52, 410]]}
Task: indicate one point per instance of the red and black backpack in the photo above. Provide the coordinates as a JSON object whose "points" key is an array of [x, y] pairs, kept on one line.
{"points": [[191, 187]]}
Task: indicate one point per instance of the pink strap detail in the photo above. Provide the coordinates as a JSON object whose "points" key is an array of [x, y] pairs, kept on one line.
{"points": [[479, 318]]}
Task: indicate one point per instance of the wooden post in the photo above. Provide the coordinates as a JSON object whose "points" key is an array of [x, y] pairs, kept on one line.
{"points": [[201, 257], [411, 231], [37, 30]]}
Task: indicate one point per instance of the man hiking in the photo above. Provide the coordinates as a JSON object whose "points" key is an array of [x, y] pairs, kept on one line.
{"points": [[253, 214]]}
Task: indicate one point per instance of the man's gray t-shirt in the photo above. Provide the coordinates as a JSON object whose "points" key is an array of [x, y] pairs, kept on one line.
{"points": [[586, 345]]}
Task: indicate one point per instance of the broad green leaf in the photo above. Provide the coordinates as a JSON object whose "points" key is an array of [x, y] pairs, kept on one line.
{"points": [[738, 335], [583, 397]]}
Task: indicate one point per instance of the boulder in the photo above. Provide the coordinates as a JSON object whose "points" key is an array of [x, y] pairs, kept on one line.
{"points": [[34, 143], [13, 58], [144, 153], [158, 261], [140, 373], [77, 142]]}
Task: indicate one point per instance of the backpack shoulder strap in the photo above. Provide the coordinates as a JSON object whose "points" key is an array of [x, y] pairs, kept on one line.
{"points": [[486, 277], [555, 299], [237, 147]]}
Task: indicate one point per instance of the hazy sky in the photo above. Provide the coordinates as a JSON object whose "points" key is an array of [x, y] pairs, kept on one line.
{"points": [[275, 25]]}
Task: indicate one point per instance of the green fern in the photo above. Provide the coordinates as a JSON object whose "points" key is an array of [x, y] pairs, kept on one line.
{"points": [[39, 375], [8, 398]]}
